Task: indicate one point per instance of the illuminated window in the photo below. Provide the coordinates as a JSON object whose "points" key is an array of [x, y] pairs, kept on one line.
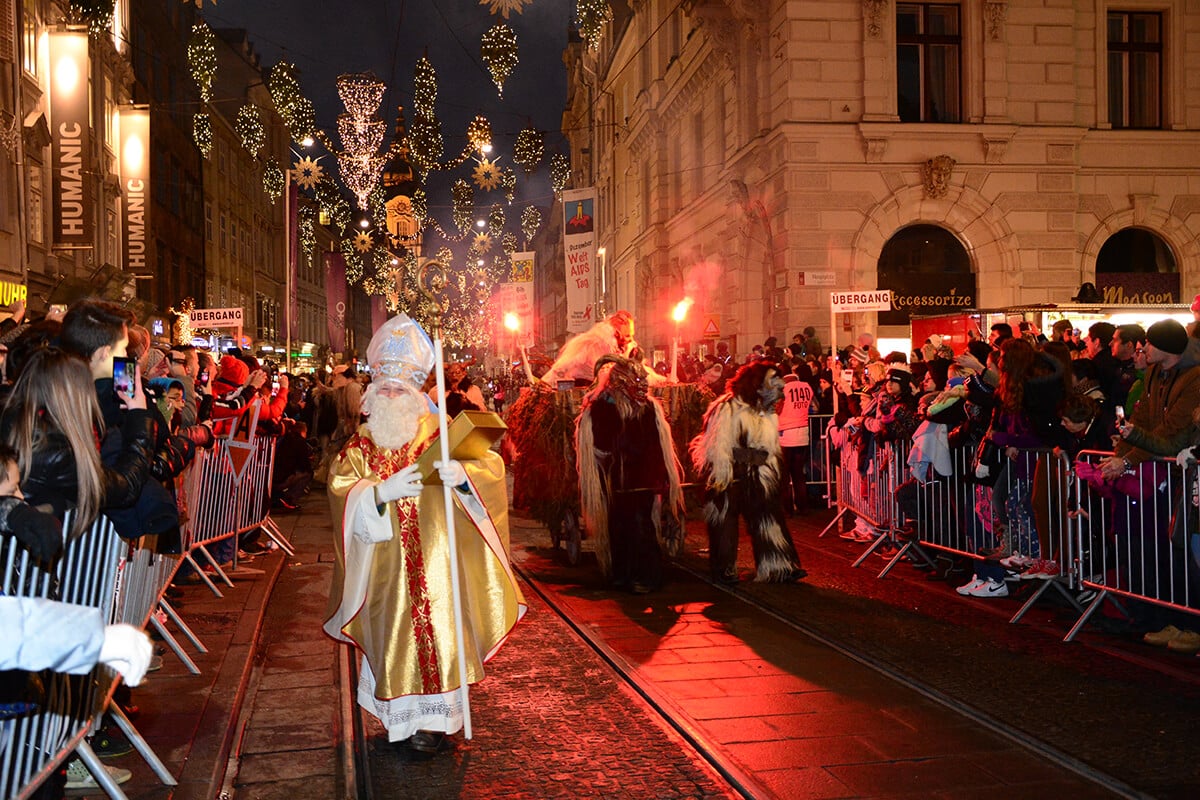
{"points": [[1134, 69], [928, 68]]}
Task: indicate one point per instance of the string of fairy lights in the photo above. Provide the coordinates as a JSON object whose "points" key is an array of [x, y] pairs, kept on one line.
{"points": [[385, 264]]}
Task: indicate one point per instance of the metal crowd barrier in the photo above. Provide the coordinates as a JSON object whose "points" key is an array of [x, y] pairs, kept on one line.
{"points": [[1025, 511], [68, 706], [1137, 536], [819, 471], [865, 485]]}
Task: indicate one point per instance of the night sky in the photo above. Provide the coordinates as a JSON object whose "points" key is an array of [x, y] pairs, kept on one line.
{"points": [[325, 38]]}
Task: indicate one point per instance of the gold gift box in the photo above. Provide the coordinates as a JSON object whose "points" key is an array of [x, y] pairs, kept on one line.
{"points": [[472, 433]]}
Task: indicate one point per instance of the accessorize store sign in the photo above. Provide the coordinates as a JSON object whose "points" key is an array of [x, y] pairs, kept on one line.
{"points": [[69, 137]]}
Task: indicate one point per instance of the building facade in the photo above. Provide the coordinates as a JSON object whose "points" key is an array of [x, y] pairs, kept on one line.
{"points": [[757, 155]]}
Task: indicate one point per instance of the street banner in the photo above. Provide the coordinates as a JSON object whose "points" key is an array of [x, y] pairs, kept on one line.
{"points": [[293, 265], [579, 245], [335, 301], [135, 182], [379, 312], [850, 302], [517, 294], [69, 137]]}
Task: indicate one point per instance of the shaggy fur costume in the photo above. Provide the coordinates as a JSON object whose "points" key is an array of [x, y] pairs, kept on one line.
{"points": [[739, 454], [626, 459]]}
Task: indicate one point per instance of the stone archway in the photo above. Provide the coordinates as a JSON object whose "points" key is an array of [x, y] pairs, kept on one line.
{"points": [[1182, 240]]}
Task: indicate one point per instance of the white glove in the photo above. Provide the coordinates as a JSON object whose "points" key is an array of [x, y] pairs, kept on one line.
{"points": [[451, 473], [982, 471], [405, 483], [1185, 458], [127, 650]]}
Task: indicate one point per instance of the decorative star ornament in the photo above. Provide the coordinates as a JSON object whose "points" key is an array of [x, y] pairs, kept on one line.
{"points": [[307, 173], [362, 242], [501, 7], [483, 242], [486, 175]]}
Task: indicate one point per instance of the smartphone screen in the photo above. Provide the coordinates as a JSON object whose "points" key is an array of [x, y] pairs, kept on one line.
{"points": [[275, 385], [1120, 413], [123, 369]]}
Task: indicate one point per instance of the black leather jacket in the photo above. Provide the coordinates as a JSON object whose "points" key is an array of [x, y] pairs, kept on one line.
{"points": [[52, 480]]}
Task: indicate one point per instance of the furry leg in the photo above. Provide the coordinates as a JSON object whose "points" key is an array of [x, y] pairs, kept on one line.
{"points": [[721, 512]]}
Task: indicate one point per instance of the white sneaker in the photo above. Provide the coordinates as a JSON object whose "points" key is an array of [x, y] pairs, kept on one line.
{"points": [[970, 585], [990, 588], [78, 776]]}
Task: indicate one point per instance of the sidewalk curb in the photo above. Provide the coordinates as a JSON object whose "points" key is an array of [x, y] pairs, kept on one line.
{"points": [[204, 771]]}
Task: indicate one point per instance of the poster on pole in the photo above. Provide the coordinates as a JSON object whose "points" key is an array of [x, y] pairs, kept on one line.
{"points": [[579, 246], [516, 294], [135, 181], [71, 134]]}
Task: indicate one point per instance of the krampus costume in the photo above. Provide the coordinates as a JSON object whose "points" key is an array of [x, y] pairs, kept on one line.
{"points": [[626, 460], [740, 457]]}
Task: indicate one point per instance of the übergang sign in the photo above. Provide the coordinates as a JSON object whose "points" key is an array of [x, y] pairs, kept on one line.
{"points": [[867, 300]]}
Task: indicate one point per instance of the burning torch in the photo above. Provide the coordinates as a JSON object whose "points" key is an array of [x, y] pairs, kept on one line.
{"points": [[679, 314], [513, 323]]}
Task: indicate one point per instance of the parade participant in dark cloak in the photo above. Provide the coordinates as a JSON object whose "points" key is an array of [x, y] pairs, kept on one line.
{"points": [[740, 456], [626, 460]]}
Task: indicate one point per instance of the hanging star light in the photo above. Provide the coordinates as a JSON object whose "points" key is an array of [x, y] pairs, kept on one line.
{"points": [[498, 49], [560, 172], [273, 180], [307, 173], [531, 220], [464, 199], [202, 133], [486, 175], [592, 15], [529, 148], [362, 242], [202, 58], [482, 243], [249, 127], [505, 7]]}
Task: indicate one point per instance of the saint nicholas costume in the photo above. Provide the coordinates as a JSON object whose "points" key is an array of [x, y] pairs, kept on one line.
{"points": [[391, 595]]}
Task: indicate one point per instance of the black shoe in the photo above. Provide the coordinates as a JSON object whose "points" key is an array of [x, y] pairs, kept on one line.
{"points": [[111, 743], [427, 741], [727, 579]]}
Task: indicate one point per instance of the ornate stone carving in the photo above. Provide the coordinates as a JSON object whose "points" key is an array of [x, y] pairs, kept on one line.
{"points": [[936, 174], [873, 11], [875, 147], [996, 14], [994, 150]]}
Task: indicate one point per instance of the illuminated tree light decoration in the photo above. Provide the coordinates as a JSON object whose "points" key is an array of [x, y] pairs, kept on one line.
{"points": [[531, 221], [249, 127], [560, 172], [592, 16], [495, 221], [464, 199], [202, 133], [498, 49], [360, 161], [96, 14], [508, 182], [307, 232], [202, 58], [425, 144], [273, 179], [505, 7], [479, 133], [508, 243], [420, 206], [425, 88], [182, 332], [529, 149], [294, 108]]}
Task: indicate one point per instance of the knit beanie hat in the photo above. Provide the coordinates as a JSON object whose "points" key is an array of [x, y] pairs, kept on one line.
{"points": [[899, 374], [233, 372], [1169, 336]]}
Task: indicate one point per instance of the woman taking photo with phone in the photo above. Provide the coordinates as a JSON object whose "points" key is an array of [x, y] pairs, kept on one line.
{"points": [[52, 420]]}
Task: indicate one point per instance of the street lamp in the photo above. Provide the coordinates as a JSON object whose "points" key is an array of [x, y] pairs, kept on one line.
{"points": [[678, 314]]}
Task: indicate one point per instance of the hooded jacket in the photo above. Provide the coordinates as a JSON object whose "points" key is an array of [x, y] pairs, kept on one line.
{"points": [[1164, 412]]}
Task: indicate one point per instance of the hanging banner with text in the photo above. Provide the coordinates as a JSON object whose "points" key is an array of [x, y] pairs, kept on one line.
{"points": [[69, 136], [851, 302], [579, 245], [135, 179], [335, 301], [516, 294]]}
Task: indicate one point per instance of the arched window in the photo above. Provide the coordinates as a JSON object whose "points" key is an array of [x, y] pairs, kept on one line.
{"points": [[928, 271], [1135, 265]]}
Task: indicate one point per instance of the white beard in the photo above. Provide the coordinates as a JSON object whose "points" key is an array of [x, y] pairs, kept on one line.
{"points": [[393, 420]]}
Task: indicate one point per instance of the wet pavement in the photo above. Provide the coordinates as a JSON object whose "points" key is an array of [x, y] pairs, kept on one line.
{"points": [[798, 693]]}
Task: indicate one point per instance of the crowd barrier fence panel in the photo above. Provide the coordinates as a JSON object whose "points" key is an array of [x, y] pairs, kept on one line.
{"points": [[1023, 510], [1137, 537]]}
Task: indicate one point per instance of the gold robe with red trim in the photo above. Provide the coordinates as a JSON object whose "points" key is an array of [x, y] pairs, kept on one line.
{"points": [[393, 599]]}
